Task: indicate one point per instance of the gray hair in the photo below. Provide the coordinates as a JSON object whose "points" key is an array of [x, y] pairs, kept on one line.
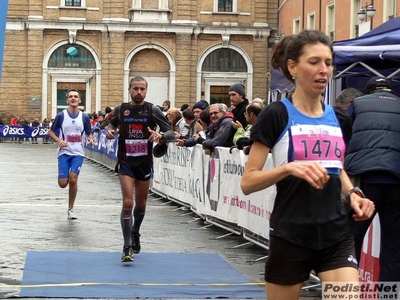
{"points": [[221, 107], [347, 96]]}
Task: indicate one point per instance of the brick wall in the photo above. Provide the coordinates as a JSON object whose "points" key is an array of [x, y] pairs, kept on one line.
{"points": [[29, 40]]}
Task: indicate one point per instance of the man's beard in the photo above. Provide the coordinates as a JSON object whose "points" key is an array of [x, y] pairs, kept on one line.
{"points": [[138, 98]]}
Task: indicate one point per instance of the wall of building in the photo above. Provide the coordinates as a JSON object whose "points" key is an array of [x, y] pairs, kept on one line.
{"points": [[346, 24], [164, 42]]}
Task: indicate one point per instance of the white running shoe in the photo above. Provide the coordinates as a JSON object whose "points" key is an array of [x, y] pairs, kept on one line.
{"points": [[71, 215]]}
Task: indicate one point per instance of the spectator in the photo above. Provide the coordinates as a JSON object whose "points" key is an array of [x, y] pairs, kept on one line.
{"points": [[166, 106], [346, 97], [342, 109], [100, 120], [107, 118], [239, 102], [25, 122], [198, 107], [220, 129], [190, 120], [373, 157], [309, 226], [259, 100], [205, 121], [107, 111], [184, 106], [46, 123], [14, 122], [242, 136], [93, 119], [177, 122]]}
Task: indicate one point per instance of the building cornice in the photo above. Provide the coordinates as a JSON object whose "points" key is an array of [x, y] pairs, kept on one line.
{"points": [[259, 30]]}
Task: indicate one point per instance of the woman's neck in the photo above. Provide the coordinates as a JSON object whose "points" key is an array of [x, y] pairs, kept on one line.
{"points": [[308, 105]]}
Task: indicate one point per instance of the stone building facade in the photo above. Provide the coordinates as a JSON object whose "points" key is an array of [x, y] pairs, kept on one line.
{"points": [[188, 50]]}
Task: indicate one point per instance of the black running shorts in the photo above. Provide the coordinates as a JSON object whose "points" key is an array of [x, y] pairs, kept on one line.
{"points": [[139, 173], [290, 264]]}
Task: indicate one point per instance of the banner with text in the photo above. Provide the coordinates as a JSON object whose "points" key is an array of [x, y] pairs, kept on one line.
{"points": [[211, 185], [177, 175], [9, 131], [103, 145]]}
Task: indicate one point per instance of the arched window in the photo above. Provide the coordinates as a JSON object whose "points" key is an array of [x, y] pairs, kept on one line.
{"points": [[224, 60], [72, 56]]}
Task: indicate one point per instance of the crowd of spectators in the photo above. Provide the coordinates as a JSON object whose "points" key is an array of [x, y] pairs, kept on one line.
{"points": [[215, 125], [192, 124]]}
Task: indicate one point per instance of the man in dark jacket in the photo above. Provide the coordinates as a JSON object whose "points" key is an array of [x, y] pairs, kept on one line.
{"points": [[219, 135], [373, 155], [237, 95]]}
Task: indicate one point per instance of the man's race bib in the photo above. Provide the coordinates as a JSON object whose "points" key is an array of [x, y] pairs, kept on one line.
{"points": [[74, 138], [320, 143], [136, 147]]}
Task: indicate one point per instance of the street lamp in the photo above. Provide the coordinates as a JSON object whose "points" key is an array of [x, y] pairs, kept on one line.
{"points": [[367, 11], [274, 38]]}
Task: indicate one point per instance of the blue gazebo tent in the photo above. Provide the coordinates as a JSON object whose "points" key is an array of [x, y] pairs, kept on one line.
{"points": [[376, 53]]}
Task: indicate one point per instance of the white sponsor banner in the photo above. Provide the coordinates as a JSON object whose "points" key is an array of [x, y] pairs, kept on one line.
{"points": [[232, 201], [260, 205], [251, 212], [177, 174], [211, 185]]}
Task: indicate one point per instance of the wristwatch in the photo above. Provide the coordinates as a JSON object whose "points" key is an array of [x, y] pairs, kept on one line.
{"points": [[356, 190]]}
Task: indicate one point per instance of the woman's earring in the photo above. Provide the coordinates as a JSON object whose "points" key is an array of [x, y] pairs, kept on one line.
{"points": [[294, 77]]}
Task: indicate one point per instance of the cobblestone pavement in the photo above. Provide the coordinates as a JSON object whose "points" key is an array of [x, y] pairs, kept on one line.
{"points": [[33, 213]]}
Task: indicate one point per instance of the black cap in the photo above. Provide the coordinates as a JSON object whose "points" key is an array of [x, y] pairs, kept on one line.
{"points": [[238, 88], [377, 83], [200, 104], [160, 150]]}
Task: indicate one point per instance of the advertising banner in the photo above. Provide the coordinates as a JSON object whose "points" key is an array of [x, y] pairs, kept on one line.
{"points": [[23, 132]]}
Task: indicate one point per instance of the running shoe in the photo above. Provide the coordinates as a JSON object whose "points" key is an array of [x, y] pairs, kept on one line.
{"points": [[127, 254], [71, 215], [136, 243]]}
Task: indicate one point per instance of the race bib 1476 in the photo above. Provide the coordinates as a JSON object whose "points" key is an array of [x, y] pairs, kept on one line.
{"points": [[320, 143]]}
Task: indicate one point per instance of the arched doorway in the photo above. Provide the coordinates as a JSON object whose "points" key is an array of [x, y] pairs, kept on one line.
{"points": [[157, 66], [70, 66], [219, 67]]}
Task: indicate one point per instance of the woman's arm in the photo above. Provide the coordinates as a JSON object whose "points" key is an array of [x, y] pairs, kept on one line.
{"points": [[254, 178], [363, 207]]}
